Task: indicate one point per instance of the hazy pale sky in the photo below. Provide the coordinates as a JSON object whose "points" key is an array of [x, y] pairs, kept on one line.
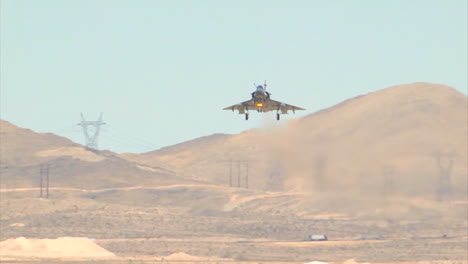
{"points": [[161, 71]]}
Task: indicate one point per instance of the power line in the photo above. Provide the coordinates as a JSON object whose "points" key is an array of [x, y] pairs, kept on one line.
{"points": [[108, 134], [41, 179], [44, 176], [132, 137], [245, 164], [47, 181], [125, 140]]}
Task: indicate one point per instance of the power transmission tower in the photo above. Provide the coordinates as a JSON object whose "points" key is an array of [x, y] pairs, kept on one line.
{"points": [[230, 173], [47, 181], [445, 164], [91, 137], [230, 170], [247, 174], [44, 171], [239, 172], [41, 179]]}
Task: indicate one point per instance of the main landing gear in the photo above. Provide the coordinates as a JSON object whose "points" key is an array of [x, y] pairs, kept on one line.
{"points": [[277, 116], [246, 116]]}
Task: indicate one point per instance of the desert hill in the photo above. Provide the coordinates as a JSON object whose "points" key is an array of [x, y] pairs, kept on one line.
{"points": [[400, 139], [19, 145], [24, 151]]}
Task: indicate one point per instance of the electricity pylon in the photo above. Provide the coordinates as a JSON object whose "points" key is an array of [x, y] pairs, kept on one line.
{"points": [[445, 164], [91, 138]]}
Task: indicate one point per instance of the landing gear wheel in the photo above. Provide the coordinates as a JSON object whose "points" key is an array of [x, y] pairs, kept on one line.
{"points": [[246, 116], [277, 116]]}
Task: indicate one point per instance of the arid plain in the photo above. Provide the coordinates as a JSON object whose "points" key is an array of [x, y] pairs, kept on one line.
{"points": [[383, 175]]}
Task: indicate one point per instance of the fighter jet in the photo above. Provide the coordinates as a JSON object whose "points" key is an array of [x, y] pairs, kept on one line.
{"points": [[261, 102]]}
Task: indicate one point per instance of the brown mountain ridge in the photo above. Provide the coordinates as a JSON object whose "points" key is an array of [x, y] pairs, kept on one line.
{"points": [[24, 151]]}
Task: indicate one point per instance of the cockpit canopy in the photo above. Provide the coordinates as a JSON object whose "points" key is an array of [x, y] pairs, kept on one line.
{"points": [[259, 87]]}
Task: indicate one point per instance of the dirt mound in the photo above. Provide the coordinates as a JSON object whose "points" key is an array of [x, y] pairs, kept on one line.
{"points": [[62, 247], [183, 256], [353, 261]]}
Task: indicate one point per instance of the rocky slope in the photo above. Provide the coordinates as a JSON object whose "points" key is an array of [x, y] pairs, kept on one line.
{"points": [[23, 152]]}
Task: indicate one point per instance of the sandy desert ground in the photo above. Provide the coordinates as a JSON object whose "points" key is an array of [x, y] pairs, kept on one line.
{"points": [[140, 234]]}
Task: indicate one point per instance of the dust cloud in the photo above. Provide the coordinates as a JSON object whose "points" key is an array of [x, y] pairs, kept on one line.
{"points": [[368, 158]]}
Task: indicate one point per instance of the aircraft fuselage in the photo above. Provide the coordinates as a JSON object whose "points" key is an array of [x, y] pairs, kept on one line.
{"points": [[260, 94]]}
